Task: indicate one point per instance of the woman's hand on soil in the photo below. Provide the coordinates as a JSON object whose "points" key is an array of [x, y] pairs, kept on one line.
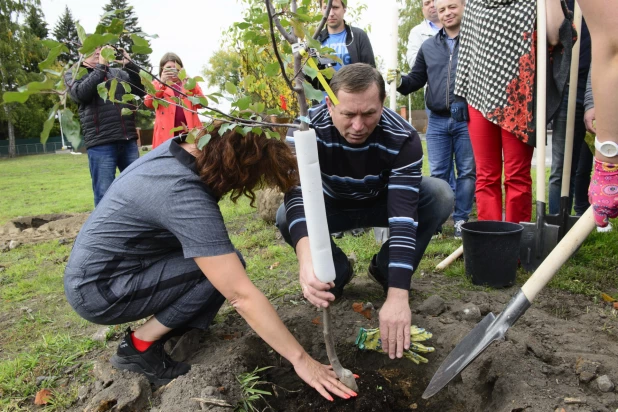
{"points": [[322, 378], [314, 290], [395, 320]]}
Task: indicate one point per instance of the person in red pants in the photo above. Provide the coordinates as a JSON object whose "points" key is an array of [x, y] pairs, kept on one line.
{"points": [[496, 75]]}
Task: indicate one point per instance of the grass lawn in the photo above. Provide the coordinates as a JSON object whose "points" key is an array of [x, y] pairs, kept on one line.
{"points": [[43, 337]]}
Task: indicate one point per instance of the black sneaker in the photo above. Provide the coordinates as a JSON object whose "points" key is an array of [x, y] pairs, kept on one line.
{"points": [[377, 276], [154, 362]]}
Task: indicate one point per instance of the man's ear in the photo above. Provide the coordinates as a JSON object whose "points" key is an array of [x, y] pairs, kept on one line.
{"points": [[330, 105]]}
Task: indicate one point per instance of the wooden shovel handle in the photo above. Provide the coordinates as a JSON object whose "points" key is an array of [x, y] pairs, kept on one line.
{"points": [[541, 101], [561, 253], [450, 259]]}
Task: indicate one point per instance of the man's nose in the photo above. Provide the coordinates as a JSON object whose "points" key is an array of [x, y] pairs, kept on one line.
{"points": [[357, 124]]}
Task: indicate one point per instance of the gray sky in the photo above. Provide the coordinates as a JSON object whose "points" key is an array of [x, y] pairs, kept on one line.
{"points": [[198, 32]]}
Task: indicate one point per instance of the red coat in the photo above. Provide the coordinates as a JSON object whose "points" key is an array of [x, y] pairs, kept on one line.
{"points": [[164, 116]]}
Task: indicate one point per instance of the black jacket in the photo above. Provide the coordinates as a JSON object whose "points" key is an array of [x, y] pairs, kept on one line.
{"points": [[359, 49], [359, 46], [435, 66], [101, 120]]}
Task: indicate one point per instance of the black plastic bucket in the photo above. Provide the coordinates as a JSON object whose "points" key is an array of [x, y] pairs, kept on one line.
{"points": [[491, 250]]}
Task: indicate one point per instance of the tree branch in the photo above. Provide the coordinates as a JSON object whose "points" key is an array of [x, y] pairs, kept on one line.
{"points": [[291, 38], [274, 42], [324, 18]]}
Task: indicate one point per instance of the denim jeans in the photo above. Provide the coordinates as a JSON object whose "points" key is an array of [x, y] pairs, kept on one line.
{"points": [[451, 180], [434, 207], [446, 137], [103, 161], [558, 140]]}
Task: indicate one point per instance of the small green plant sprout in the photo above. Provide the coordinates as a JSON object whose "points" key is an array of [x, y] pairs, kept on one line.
{"points": [[250, 393]]}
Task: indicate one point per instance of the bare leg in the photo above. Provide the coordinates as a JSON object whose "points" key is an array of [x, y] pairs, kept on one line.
{"points": [[151, 331]]}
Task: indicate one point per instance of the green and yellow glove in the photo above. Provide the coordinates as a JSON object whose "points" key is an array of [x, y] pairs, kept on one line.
{"points": [[393, 74], [370, 339]]}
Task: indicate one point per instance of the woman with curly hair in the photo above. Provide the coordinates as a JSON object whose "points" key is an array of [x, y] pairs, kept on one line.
{"points": [[156, 246]]}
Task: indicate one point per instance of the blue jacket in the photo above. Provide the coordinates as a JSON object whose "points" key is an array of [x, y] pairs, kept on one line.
{"points": [[435, 66]]}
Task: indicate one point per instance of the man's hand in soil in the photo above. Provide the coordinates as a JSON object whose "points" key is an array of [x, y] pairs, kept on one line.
{"points": [[395, 320], [314, 290], [322, 378]]}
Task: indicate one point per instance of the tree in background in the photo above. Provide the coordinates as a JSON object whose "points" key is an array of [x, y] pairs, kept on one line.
{"points": [[36, 22], [223, 66], [65, 32], [21, 48], [127, 14], [410, 15]]}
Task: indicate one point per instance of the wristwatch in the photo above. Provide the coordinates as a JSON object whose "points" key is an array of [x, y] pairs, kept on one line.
{"points": [[607, 148]]}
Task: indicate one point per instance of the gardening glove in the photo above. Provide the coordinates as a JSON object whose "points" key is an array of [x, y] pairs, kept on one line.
{"points": [[459, 110], [393, 74], [603, 192], [370, 339]]}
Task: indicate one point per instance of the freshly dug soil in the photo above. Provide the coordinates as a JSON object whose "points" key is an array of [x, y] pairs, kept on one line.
{"points": [[550, 360]]}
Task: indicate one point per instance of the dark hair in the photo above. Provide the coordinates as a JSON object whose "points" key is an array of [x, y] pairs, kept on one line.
{"points": [[169, 57], [356, 78], [239, 164]]}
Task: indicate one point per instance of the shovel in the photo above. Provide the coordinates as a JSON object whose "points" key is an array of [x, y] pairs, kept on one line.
{"points": [[563, 219], [538, 239], [492, 328]]}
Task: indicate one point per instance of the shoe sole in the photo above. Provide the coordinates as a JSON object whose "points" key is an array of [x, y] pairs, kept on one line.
{"points": [[120, 363]]}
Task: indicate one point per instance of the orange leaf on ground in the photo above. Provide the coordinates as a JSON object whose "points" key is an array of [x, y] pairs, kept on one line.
{"points": [[362, 309], [273, 266], [42, 397], [316, 321], [607, 298], [616, 305], [357, 307]]}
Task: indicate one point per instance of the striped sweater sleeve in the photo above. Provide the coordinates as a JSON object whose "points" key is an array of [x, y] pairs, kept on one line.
{"points": [[403, 196], [295, 214]]}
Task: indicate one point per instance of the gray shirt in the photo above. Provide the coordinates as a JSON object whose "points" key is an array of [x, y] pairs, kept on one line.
{"points": [[157, 206]]}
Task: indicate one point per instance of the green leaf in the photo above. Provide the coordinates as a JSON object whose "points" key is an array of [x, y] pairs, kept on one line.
{"points": [[182, 74], [194, 99], [147, 82], [102, 90], [112, 13], [112, 90], [310, 71], [97, 40], [329, 72], [109, 54], [243, 103], [126, 112], [203, 101], [272, 69], [52, 56], [245, 130], [203, 141], [214, 98], [298, 29], [243, 25], [70, 127], [311, 93], [231, 88], [257, 130], [199, 79], [49, 123], [17, 97], [128, 97], [126, 86], [177, 129], [116, 26], [81, 33], [155, 104], [190, 84], [225, 127], [140, 45]]}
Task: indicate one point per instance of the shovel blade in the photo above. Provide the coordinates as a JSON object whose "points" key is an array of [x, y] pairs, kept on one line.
{"points": [[533, 251], [489, 329]]}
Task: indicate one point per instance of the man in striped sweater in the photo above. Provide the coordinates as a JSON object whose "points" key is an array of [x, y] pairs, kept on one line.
{"points": [[371, 161]]}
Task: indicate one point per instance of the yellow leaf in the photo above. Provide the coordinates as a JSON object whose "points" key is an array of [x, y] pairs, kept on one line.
{"points": [[607, 298]]}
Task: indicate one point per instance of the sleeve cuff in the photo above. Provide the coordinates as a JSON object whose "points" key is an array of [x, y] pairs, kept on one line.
{"points": [[399, 278]]}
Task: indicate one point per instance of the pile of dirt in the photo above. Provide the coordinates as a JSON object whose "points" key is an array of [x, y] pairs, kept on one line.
{"points": [[41, 228], [560, 356]]}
